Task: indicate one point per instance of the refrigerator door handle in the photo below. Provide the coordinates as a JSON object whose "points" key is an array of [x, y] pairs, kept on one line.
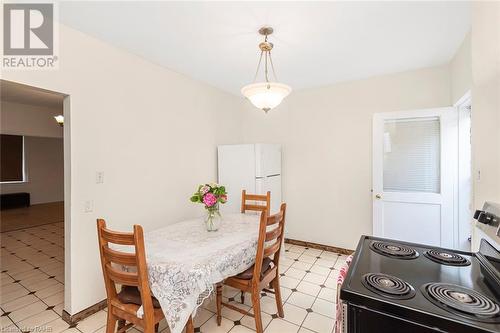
{"points": [[275, 175]]}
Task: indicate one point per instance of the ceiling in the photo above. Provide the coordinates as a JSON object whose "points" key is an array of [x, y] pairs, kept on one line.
{"points": [[316, 43], [20, 93]]}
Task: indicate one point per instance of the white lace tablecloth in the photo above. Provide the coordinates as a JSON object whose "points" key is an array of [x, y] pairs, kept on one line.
{"points": [[185, 261]]}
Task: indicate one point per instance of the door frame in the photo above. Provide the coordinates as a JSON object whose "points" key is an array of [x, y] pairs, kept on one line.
{"points": [[464, 190], [449, 172]]}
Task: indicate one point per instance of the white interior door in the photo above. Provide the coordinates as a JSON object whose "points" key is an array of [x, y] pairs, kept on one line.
{"points": [[414, 171]]}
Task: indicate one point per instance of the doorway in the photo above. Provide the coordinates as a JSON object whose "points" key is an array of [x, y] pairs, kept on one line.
{"points": [[35, 202], [415, 158]]}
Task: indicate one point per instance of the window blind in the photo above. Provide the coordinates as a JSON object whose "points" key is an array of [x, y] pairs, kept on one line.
{"points": [[412, 152]]}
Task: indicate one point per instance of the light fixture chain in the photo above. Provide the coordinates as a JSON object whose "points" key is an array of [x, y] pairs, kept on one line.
{"points": [[258, 66], [272, 67], [265, 70]]}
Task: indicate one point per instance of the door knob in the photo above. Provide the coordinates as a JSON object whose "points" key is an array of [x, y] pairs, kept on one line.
{"points": [[378, 196]]}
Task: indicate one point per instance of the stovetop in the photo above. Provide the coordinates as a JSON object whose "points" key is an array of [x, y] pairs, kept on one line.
{"points": [[391, 274]]}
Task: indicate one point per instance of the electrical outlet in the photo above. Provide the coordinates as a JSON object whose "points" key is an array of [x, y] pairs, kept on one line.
{"points": [[99, 177], [88, 206]]}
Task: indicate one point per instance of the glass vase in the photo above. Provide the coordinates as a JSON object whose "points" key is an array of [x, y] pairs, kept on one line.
{"points": [[213, 219]]}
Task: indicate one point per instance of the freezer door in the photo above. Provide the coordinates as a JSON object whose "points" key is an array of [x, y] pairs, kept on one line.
{"points": [[267, 160], [236, 171]]}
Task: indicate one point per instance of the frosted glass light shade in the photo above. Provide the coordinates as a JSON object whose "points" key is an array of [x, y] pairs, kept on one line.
{"points": [[266, 95]]}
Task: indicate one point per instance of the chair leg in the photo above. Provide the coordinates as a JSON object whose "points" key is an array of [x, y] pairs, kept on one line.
{"points": [[111, 322], [256, 310], [277, 296], [121, 324], [219, 304], [242, 296], [190, 325], [157, 326]]}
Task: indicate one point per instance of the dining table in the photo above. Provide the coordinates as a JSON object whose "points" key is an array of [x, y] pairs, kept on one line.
{"points": [[185, 261]]}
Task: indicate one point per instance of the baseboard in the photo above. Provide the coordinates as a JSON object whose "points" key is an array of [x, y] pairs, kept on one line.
{"points": [[319, 246], [73, 319]]}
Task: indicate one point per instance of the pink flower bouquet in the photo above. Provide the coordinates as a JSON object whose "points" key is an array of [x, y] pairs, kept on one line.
{"points": [[211, 195]]}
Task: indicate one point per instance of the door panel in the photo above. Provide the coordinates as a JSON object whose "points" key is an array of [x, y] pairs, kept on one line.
{"points": [[416, 222], [414, 168]]}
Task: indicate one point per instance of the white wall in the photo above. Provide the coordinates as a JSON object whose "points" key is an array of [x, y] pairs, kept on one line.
{"points": [[44, 162], [461, 70], [327, 138], [485, 46], [24, 119], [140, 124]]}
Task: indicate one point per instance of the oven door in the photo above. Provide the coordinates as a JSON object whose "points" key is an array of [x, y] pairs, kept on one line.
{"points": [[362, 320]]}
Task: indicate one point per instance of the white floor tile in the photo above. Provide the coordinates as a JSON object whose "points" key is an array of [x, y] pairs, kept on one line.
{"points": [[250, 321], [318, 323], [309, 288], [201, 317], [328, 294], [295, 273], [281, 326], [289, 282], [294, 314], [36, 322], [241, 329], [93, 323], [19, 303], [331, 283], [302, 300], [211, 326], [27, 311], [324, 307], [308, 259], [321, 270], [315, 278], [301, 265]]}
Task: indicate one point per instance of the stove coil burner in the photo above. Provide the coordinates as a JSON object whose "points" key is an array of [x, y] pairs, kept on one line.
{"points": [[388, 286], [462, 301], [447, 258], [394, 250]]}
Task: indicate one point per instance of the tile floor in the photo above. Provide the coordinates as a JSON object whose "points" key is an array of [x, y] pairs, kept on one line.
{"points": [[32, 294]]}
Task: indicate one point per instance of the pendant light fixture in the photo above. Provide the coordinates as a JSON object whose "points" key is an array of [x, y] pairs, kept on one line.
{"points": [[269, 94]]}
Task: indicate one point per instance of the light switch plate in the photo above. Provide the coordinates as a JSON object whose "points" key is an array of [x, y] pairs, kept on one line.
{"points": [[88, 206], [99, 177]]}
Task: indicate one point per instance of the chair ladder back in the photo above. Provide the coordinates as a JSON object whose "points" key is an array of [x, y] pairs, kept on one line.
{"points": [[114, 261], [274, 237], [142, 270], [265, 198]]}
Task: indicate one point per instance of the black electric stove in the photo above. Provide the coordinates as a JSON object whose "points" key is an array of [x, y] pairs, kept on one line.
{"points": [[397, 287]]}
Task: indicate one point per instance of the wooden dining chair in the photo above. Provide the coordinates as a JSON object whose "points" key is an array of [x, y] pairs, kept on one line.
{"points": [[254, 200], [264, 273], [130, 271]]}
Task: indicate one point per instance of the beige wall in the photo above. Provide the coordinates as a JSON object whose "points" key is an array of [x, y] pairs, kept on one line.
{"points": [[327, 138], [24, 119], [139, 124], [44, 162], [485, 46], [461, 70]]}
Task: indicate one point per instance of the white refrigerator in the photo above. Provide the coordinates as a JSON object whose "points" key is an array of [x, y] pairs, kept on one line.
{"points": [[255, 168]]}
